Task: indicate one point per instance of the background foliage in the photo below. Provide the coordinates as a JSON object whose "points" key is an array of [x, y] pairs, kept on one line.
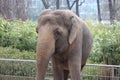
{"points": [[18, 34], [21, 35], [18, 40], [9, 52], [106, 44]]}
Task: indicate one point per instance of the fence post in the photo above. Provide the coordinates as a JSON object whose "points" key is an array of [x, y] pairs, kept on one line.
{"points": [[112, 76]]}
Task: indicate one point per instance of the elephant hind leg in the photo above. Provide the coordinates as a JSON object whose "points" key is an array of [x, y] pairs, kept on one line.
{"points": [[82, 66], [66, 74]]}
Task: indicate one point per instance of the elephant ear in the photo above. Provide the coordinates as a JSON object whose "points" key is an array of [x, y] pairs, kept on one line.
{"points": [[73, 30]]}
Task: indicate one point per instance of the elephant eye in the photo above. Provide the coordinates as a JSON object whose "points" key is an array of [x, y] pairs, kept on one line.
{"points": [[57, 33]]}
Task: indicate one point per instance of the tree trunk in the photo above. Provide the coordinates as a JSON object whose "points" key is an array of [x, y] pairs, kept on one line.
{"points": [[111, 11], [99, 13], [68, 4], [57, 4], [21, 10], [77, 7], [10, 9]]}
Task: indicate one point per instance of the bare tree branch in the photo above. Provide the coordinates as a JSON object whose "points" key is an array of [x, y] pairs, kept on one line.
{"points": [[45, 4], [68, 4], [81, 3], [117, 9], [72, 4], [77, 6]]}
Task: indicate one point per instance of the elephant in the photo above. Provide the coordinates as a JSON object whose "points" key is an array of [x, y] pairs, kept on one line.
{"points": [[66, 40]]}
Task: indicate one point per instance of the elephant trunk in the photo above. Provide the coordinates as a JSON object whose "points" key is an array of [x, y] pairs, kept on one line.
{"points": [[45, 49]]}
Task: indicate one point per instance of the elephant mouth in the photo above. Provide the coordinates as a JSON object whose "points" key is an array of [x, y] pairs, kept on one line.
{"points": [[57, 51], [61, 50]]}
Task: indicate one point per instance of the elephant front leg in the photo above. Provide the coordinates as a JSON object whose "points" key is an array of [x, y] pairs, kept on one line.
{"points": [[66, 74], [75, 69], [58, 72]]}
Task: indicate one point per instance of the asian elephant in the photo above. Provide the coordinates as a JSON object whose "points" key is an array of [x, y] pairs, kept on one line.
{"points": [[66, 39]]}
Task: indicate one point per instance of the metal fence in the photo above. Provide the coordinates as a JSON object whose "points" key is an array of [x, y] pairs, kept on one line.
{"points": [[101, 72], [16, 69]]}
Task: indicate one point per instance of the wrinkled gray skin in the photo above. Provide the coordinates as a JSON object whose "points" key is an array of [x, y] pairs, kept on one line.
{"points": [[66, 39]]}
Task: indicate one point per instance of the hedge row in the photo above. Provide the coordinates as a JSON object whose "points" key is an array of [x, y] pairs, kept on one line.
{"points": [[106, 44], [13, 53], [18, 34]]}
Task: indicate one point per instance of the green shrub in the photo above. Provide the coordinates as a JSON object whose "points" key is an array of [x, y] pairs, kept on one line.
{"points": [[106, 44], [8, 52], [17, 68], [22, 35], [18, 34]]}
